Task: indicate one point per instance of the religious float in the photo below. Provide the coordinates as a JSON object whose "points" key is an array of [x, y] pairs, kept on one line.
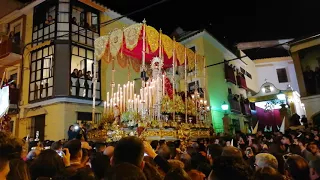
{"points": [[4, 106], [161, 109]]}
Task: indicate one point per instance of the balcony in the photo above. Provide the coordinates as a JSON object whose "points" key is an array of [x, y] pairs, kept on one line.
{"points": [[85, 36], [8, 46], [241, 80], [229, 73], [83, 88]]}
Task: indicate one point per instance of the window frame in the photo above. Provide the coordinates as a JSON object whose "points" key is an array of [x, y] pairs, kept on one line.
{"points": [[85, 68], [286, 80], [42, 70]]}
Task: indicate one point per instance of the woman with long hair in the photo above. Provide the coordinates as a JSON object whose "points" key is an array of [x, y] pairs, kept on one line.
{"points": [[18, 170], [48, 164]]}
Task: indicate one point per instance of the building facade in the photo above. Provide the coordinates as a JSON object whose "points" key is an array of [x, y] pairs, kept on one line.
{"points": [[306, 59], [57, 58], [225, 82]]}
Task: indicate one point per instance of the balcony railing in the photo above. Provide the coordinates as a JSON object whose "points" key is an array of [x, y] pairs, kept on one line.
{"points": [[241, 80], [229, 73], [83, 88], [8, 45], [235, 106]]}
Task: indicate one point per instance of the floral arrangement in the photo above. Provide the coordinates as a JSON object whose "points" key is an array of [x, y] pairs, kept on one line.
{"points": [[179, 105], [130, 116], [191, 108], [166, 105], [107, 118]]}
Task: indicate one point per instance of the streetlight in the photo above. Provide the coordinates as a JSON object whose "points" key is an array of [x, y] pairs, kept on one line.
{"points": [[225, 106]]}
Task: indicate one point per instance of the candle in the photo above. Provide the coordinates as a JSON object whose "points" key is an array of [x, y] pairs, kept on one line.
{"points": [[163, 81], [205, 102], [150, 96], [134, 102], [139, 103], [130, 93], [107, 97], [121, 110], [141, 93], [104, 107], [111, 104], [124, 97], [133, 87]]}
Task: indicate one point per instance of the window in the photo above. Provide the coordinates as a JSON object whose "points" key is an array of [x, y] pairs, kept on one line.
{"points": [[51, 12], [248, 75], [63, 20], [282, 75], [41, 75], [85, 24], [81, 73], [44, 24]]}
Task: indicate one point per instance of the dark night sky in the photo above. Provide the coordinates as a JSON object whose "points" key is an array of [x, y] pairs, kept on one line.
{"points": [[238, 21]]}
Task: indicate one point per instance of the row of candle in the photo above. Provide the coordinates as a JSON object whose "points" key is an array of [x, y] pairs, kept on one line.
{"points": [[126, 99]]}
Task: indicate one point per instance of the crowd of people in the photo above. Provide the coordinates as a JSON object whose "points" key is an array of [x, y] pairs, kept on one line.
{"points": [[276, 156]]}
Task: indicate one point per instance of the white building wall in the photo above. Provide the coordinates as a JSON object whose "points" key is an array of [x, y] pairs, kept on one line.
{"points": [[267, 71]]}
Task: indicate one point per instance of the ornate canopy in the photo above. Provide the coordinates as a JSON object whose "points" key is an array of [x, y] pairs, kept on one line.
{"points": [[126, 45]]}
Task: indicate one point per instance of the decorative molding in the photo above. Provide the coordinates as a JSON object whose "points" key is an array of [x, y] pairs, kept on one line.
{"points": [[57, 100], [94, 5], [274, 59], [113, 15], [264, 65]]}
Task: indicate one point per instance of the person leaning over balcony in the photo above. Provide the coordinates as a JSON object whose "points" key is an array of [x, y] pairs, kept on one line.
{"points": [[49, 20]]}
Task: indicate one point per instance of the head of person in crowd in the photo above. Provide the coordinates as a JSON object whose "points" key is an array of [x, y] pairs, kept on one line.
{"points": [[229, 167], [109, 151], [48, 164], [214, 150], [266, 160], [100, 147], [18, 170], [296, 167], [155, 145], [100, 164], [129, 150], [151, 172], [57, 146], [196, 175], [164, 151], [75, 150], [314, 169], [287, 139], [177, 174], [313, 147], [230, 151], [10, 148], [267, 173], [126, 171]]}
